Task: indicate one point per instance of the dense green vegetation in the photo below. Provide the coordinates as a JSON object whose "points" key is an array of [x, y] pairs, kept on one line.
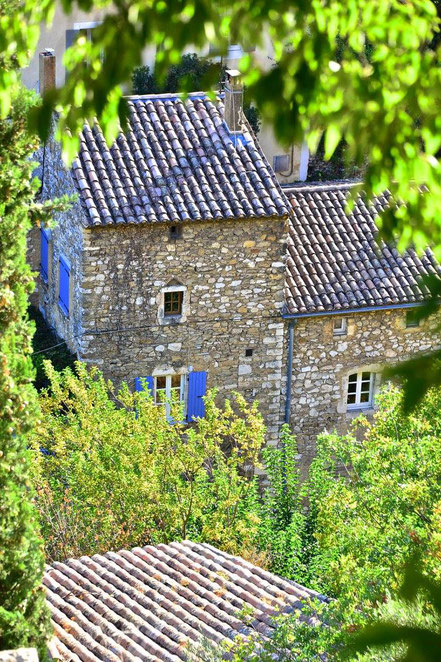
{"points": [[113, 473], [23, 616]]}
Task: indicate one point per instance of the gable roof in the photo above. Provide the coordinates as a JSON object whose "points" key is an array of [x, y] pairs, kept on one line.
{"points": [[177, 162], [333, 260], [151, 603]]}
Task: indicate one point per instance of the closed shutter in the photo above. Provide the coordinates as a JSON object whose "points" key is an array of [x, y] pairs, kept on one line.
{"points": [[63, 298], [197, 385], [144, 382], [44, 254]]}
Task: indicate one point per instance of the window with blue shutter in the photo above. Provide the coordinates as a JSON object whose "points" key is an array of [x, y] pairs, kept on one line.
{"points": [[197, 386], [44, 254], [64, 286], [143, 383]]}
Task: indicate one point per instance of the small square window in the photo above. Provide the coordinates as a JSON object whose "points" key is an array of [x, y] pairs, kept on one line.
{"points": [[248, 352], [340, 326], [175, 232], [173, 303], [411, 320]]}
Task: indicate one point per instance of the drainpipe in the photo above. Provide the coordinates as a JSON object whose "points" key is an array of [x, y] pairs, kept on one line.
{"points": [[292, 323]]}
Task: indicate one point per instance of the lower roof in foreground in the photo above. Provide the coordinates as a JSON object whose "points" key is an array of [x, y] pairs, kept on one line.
{"points": [[159, 603]]}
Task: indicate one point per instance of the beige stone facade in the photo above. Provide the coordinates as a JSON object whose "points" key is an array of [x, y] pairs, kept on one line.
{"points": [[322, 363], [231, 274]]}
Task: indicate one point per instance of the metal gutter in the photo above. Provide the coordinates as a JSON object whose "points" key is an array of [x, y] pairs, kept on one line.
{"points": [[350, 311], [289, 369]]}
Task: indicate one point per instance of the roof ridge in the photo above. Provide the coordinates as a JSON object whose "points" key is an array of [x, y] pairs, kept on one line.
{"points": [[340, 184], [170, 95]]}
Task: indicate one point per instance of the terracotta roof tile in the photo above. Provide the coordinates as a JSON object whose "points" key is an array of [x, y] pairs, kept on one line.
{"points": [[151, 603], [176, 162], [334, 261]]}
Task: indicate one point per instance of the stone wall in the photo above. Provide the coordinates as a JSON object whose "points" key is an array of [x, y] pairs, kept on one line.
{"points": [[322, 363], [232, 274], [66, 240]]}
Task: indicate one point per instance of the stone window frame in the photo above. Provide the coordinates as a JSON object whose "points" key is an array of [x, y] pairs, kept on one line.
{"points": [[353, 411], [173, 286]]}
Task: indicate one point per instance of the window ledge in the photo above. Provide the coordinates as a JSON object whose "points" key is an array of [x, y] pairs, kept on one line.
{"points": [[356, 411]]}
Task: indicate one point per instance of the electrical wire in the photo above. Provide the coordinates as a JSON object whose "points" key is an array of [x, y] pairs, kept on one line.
{"points": [[187, 327]]}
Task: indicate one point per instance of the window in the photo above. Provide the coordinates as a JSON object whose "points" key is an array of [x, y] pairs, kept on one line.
{"points": [[173, 303], [168, 392], [166, 389], [175, 232], [44, 254], [340, 326], [411, 320], [64, 286], [81, 30], [360, 390], [249, 352], [281, 163]]}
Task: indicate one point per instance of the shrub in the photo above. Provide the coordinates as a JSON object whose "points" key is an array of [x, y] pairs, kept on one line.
{"points": [[110, 471]]}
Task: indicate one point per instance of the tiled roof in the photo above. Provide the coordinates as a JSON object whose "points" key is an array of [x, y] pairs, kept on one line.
{"points": [[153, 603], [334, 261], [177, 162]]}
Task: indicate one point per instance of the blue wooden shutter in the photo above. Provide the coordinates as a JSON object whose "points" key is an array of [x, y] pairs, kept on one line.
{"points": [[197, 384], [148, 381], [44, 254], [63, 298]]}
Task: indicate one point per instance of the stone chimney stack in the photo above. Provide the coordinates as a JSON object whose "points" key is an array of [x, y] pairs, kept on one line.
{"points": [[47, 70], [233, 101]]}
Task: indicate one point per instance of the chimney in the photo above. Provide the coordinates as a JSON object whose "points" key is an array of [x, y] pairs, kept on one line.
{"points": [[47, 70], [233, 101]]}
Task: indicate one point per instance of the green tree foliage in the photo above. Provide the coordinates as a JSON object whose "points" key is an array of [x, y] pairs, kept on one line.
{"points": [[384, 106], [23, 616], [111, 472], [191, 74], [377, 501], [409, 629], [114, 473], [374, 504]]}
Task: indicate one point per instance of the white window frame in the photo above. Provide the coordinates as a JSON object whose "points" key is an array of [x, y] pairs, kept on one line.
{"points": [[358, 392], [168, 392], [342, 329]]}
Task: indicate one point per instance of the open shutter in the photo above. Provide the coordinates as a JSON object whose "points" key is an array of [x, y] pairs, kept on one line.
{"points": [[197, 385], [63, 298], [44, 254], [147, 381], [71, 35]]}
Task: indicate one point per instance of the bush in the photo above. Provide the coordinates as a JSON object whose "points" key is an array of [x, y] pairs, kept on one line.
{"points": [[377, 501], [110, 471]]}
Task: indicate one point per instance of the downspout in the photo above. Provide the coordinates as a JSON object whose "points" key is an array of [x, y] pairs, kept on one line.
{"points": [[292, 323]]}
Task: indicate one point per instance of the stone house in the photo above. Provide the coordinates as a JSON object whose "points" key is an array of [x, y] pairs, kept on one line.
{"points": [[184, 265]]}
